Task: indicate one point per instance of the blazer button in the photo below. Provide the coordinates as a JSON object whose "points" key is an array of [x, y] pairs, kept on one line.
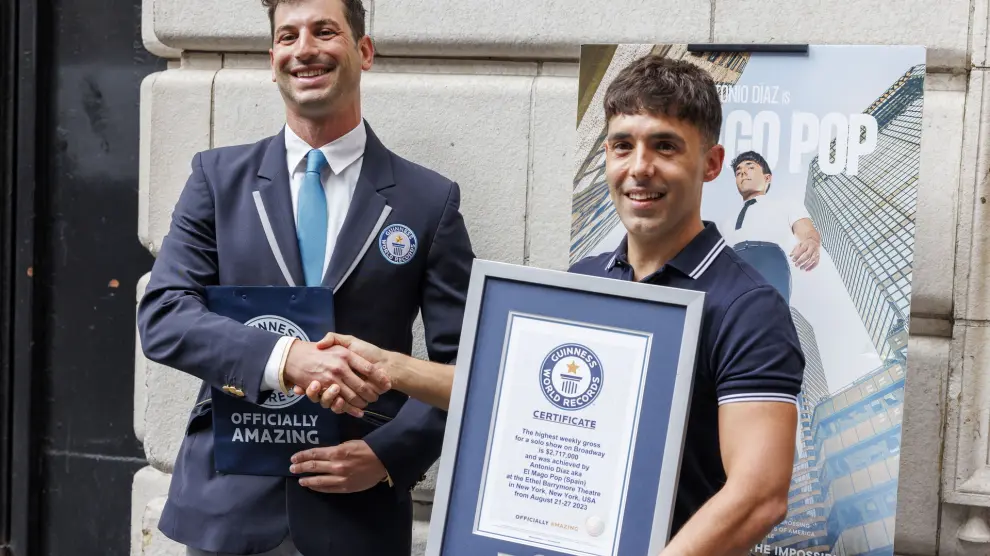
{"points": [[227, 389], [237, 392]]}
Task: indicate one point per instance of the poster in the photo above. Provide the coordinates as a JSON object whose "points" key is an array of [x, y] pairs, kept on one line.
{"points": [[827, 141]]}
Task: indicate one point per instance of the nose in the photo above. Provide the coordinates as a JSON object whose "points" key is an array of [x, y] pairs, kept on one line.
{"points": [[642, 165], [306, 46]]}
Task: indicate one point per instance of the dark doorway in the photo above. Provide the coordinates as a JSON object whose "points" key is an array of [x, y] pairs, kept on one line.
{"points": [[7, 138], [70, 262]]}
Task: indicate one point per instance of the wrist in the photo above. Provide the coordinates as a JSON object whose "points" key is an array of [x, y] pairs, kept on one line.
{"points": [[290, 365], [390, 364], [283, 384]]}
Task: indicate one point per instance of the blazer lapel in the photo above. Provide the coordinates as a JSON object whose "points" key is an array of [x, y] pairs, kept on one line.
{"points": [[273, 191], [366, 215]]}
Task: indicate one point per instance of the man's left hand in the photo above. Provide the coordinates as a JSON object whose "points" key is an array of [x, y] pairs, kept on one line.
{"points": [[806, 254], [348, 467], [375, 377]]}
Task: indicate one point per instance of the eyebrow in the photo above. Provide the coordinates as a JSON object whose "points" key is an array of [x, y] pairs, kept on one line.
{"points": [[318, 22], [329, 22], [660, 135]]}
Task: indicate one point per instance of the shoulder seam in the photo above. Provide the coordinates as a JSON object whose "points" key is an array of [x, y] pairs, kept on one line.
{"points": [[443, 213], [206, 178], [746, 272]]}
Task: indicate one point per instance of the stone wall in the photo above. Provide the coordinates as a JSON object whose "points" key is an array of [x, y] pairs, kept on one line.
{"points": [[485, 92]]}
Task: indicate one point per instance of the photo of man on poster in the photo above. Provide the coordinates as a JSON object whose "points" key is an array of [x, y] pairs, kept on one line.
{"points": [[770, 233]]}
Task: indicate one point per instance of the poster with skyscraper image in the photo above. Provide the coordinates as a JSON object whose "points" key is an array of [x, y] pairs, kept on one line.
{"points": [[818, 192]]}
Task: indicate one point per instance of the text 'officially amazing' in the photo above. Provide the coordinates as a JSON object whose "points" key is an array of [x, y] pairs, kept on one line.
{"points": [[298, 429]]}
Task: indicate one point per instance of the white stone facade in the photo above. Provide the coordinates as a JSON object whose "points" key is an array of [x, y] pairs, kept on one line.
{"points": [[485, 92]]}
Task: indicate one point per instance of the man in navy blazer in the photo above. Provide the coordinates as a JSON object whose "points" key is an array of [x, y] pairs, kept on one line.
{"points": [[323, 202]]}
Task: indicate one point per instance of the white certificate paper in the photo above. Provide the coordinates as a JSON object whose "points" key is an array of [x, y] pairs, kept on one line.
{"points": [[562, 433]]}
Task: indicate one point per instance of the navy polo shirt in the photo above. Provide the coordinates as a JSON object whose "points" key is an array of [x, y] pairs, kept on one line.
{"points": [[748, 349]]}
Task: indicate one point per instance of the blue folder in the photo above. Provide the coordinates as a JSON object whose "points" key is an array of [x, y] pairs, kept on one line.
{"points": [[252, 439]]}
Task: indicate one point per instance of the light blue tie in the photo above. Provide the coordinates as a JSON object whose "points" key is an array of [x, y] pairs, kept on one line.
{"points": [[311, 225]]}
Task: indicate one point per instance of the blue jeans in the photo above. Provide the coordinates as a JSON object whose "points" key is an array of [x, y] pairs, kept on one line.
{"points": [[770, 261]]}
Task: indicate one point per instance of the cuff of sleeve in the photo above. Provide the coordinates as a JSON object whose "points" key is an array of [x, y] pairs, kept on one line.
{"points": [[391, 459], [758, 397], [275, 363]]}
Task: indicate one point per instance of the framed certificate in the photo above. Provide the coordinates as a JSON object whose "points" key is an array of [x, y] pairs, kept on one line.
{"points": [[567, 416]]}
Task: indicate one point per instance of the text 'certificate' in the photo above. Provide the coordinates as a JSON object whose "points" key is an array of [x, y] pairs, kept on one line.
{"points": [[562, 435]]}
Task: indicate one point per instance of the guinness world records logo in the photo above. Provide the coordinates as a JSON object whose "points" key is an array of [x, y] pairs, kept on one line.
{"points": [[285, 327], [571, 376], [397, 243]]}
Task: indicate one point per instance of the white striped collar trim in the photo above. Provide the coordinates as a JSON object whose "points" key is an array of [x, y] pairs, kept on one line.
{"points": [[694, 274], [708, 260]]}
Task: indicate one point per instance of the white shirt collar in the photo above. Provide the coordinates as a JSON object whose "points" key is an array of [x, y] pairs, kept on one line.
{"points": [[340, 153]]}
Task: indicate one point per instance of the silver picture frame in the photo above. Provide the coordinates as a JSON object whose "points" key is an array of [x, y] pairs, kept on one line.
{"points": [[484, 271]]}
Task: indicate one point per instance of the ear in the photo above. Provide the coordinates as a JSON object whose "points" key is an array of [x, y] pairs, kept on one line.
{"points": [[714, 159], [367, 48]]}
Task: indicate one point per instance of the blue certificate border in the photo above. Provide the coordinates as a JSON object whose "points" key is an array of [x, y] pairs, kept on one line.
{"points": [[627, 469], [461, 450]]}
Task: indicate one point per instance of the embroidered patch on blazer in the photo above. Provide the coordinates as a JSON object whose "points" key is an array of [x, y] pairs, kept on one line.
{"points": [[397, 243]]}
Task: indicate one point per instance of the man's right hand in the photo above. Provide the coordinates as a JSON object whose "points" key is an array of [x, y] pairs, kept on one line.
{"points": [[307, 364], [374, 374], [425, 381]]}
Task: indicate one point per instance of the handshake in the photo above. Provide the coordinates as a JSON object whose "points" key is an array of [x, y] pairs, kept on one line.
{"points": [[340, 372], [345, 374]]}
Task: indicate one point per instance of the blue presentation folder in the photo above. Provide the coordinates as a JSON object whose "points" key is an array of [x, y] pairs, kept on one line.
{"points": [[252, 439]]}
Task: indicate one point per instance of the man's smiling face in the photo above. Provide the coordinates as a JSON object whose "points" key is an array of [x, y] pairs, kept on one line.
{"points": [[655, 167], [315, 58]]}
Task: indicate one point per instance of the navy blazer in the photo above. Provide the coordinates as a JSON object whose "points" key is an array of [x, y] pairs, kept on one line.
{"points": [[233, 225]]}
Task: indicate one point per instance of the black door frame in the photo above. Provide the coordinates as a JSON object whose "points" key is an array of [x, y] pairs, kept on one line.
{"points": [[6, 177], [18, 147]]}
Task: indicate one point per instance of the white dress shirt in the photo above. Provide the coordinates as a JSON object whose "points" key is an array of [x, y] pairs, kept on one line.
{"points": [[345, 157], [769, 219]]}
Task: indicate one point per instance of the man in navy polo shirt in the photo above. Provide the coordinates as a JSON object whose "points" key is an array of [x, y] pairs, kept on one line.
{"points": [[664, 118]]}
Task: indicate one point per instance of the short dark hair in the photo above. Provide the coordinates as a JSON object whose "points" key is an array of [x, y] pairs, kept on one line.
{"points": [[353, 10], [752, 156], [674, 88]]}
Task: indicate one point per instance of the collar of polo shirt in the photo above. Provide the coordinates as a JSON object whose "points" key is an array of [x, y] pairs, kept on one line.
{"points": [[692, 261]]}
